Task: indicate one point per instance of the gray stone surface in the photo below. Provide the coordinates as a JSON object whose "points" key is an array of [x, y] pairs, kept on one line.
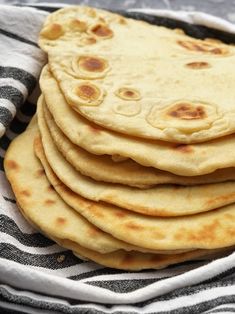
{"points": [[222, 8]]}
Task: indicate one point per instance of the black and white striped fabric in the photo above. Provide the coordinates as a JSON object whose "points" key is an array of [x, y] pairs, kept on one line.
{"points": [[38, 276]]}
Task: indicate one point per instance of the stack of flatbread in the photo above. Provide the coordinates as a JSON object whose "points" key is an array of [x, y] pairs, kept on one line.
{"points": [[130, 161]]}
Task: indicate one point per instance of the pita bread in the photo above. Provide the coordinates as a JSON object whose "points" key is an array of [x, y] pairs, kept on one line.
{"points": [[183, 160], [144, 88], [134, 260], [137, 260]]}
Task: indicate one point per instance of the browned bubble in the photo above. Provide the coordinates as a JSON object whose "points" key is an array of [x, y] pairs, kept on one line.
{"points": [[187, 111], [102, 30], [25, 193], [39, 173], [128, 93], [198, 65], [120, 214], [205, 233], [88, 40], [184, 148], [88, 91], [78, 25], [52, 31], [127, 260], [92, 64], [122, 21], [49, 202], [202, 47], [91, 12], [60, 220], [133, 226], [11, 164]]}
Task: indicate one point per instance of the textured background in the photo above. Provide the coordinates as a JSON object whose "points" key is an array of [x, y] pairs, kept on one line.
{"points": [[222, 8]]}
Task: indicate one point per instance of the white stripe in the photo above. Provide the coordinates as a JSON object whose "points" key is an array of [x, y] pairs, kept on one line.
{"points": [[31, 58], [54, 248], [5, 103], [30, 21], [15, 83], [2, 129], [48, 5], [70, 271]]}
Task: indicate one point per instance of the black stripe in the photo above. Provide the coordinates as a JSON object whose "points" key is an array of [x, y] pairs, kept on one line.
{"points": [[28, 108], [9, 199], [18, 126], [10, 311], [4, 142], [97, 272], [23, 76], [38, 7], [50, 261], [1, 164], [124, 286], [8, 226], [12, 94], [197, 31], [224, 309], [17, 37], [229, 272], [5, 115]]}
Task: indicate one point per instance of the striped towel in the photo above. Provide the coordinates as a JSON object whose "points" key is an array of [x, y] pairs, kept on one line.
{"points": [[38, 276]]}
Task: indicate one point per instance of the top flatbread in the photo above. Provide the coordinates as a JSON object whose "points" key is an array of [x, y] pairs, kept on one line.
{"points": [[183, 160], [141, 79]]}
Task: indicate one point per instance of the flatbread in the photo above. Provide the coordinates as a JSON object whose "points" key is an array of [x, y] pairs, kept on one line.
{"points": [[210, 230], [138, 261], [126, 172], [42, 205], [135, 260], [183, 160], [164, 85], [161, 200]]}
